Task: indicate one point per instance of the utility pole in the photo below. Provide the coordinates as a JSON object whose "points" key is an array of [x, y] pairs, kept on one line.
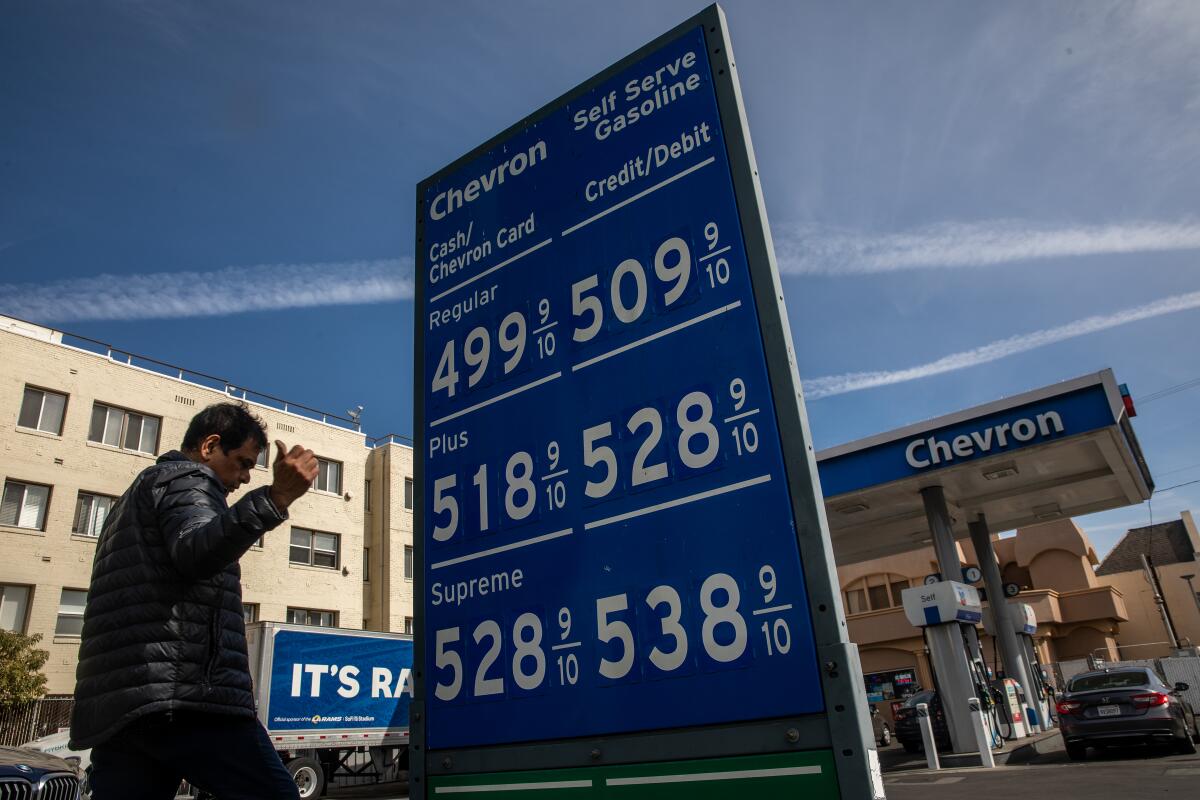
{"points": [[1160, 601], [1192, 590]]}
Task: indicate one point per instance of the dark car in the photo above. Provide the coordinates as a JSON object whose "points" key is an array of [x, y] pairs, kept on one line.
{"points": [[30, 775], [1125, 705], [908, 731], [883, 734]]}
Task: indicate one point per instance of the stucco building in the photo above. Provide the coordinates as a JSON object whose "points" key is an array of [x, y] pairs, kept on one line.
{"points": [[1054, 566], [1173, 552], [78, 420]]}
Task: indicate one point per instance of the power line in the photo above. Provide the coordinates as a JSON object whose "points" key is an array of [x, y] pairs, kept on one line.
{"points": [[1178, 469], [1178, 485], [1167, 392]]}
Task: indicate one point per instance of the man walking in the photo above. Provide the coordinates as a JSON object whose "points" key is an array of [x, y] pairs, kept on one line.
{"points": [[163, 688]]}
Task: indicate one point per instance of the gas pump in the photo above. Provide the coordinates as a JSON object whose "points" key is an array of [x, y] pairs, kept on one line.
{"points": [[981, 676], [1034, 705], [946, 611], [1025, 625], [1010, 702]]}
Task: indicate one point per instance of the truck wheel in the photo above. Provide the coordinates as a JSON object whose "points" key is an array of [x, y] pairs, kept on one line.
{"points": [[308, 775]]}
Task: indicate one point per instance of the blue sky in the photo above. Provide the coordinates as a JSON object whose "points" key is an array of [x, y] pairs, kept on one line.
{"points": [[987, 197]]}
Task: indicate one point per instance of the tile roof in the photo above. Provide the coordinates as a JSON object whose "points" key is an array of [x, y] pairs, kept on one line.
{"points": [[1164, 543]]}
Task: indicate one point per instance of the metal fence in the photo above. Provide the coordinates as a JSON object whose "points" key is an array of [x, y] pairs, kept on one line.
{"points": [[1184, 670], [24, 723]]}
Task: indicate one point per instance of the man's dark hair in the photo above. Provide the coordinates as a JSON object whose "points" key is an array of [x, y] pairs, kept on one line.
{"points": [[233, 422]]}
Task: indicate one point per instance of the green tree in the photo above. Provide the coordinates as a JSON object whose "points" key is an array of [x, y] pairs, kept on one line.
{"points": [[21, 662]]}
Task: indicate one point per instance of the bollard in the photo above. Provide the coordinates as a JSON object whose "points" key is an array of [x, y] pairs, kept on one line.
{"points": [[981, 733], [931, 754]]}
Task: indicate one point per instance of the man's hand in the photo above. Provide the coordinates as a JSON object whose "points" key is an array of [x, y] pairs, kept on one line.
{"points": [[295, 470]]}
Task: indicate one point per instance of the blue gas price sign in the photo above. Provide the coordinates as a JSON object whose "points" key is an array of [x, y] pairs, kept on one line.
{"points": [[609, 542]]}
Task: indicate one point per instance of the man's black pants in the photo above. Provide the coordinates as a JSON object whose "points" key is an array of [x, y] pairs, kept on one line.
{"points": [[230, 757]]}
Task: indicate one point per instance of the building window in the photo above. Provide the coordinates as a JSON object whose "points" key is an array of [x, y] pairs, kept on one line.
{"points": [[14, 607], [24, 505], [408, 493], [891, 685], [366, 565], [329, 476], [367, 494], [91, 510], [261, 461], [128, 430], [878, 596], [408, 562], [408, 625], [875, 593], [311, 616], [250, 612], [315, 548], [70, 613], [42, 410], [856, 601]]}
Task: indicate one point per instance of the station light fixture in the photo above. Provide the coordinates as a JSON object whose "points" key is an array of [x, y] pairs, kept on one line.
{"points": [[852, 508], [1047, 512], [1006, 470]]}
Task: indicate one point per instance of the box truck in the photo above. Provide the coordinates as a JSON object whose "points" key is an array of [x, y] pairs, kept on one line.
{"points": [[334, 701]]}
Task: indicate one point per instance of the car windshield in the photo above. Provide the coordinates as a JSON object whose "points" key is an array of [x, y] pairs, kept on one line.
{"points": [[919, 697], [1108, 680]]}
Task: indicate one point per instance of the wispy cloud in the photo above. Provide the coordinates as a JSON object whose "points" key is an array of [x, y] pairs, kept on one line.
{"points": [[854, 381], [265, 287], [822, 250]]}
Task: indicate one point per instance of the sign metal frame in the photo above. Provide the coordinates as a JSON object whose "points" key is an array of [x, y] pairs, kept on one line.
{"points": [[844, 727]]}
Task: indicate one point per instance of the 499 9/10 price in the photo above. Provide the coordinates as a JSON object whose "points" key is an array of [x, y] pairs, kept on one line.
{"points": [[603, 304], [473, 661]]}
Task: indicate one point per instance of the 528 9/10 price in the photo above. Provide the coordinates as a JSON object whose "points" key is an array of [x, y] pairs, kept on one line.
{"points": [[724, 638]]}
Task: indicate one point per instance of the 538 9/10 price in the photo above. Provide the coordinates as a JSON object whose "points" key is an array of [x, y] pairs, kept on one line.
{"points": [[724, 639]]}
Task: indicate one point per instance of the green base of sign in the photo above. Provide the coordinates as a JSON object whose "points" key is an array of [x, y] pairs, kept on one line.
{"points": [[808, 774]]}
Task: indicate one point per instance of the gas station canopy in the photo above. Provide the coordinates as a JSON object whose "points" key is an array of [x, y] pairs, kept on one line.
{"points": [[1055, 452]]}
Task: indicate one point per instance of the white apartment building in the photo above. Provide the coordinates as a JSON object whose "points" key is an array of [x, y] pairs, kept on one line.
{"points": [[78, 420]]}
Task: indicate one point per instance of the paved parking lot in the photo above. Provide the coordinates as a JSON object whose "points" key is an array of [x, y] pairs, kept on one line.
{"points": [[1135, 772], [1130, 774]]}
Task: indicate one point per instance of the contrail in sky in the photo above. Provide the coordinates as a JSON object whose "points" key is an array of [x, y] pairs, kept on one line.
{"points": [[266, 287], [821, 250], [853, 381]]}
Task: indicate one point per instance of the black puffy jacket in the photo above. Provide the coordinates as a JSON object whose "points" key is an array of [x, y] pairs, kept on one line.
{"points": [[163, 627]]}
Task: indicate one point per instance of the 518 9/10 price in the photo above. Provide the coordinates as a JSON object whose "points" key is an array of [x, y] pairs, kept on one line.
{"points": [[724, 639]]}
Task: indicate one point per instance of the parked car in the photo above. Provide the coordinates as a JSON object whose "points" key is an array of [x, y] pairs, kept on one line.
{"points": [[1124, 705], [36, 776], [908, 731], [58, 744], [883, 733]]}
